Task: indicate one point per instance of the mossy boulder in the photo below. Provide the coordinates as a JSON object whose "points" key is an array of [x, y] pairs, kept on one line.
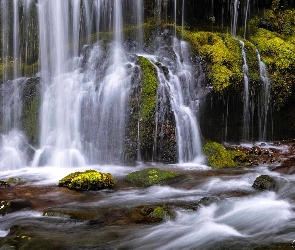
{"points": [[264, 182], [151, 176], [88, 180], [219, 157]]}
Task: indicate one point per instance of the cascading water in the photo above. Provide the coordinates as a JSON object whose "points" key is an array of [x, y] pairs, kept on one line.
{"points": [[264, 98], [246, 110], [183, 87], [85, 91]]}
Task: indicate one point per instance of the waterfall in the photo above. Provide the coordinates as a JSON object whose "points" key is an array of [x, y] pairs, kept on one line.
{"points": [[246, 110], [13, 143], [247, 10], [264, 98], [234, 14], [85, 80]]}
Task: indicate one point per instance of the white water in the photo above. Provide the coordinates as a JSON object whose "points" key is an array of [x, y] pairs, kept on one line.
{"points": [[246, 110], [264, 98], [231, 220]]}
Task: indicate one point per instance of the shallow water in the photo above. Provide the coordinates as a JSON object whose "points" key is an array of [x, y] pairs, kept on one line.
{"points": [[239, 215]]}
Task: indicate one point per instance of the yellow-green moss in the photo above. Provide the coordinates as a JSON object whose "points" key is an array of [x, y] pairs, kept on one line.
{"points": [[151, 176], [88, 180], [160, 213], [278, 53], [222, 54], [220, 157]]}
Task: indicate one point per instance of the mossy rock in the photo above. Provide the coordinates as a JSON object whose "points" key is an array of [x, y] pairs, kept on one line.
{"points": [[264, 182], [88, 180], [151, 176], [220, 157]]}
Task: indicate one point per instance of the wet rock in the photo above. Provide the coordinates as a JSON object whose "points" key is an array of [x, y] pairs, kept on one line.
{"points": [[13, 181], [114, 216], [4, 184], [13, 206], [207, 201], [151, 176], [287, 167], [264, 182], [88, 180]]}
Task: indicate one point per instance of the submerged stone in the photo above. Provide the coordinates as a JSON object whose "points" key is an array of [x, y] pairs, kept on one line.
{"points": [[151, 176], [88, 180], [264, 182]]}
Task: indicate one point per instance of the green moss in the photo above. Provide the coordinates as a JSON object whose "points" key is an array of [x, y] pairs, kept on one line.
{"points": [[30, 114], [151, 176], [278, 53], [88, 180], [160, 213], [220, 157], [149, 88], [222, 54]]}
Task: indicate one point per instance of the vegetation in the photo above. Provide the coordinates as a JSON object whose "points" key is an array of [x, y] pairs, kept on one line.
{"points": [[222, 54], [149, 88], [220, 157], [88, 180], [278, 54], [151, 176]]}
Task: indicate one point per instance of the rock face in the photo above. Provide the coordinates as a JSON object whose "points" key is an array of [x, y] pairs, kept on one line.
{"points": [[264, 182], [151, 176], [144, 107], [88, 180]]}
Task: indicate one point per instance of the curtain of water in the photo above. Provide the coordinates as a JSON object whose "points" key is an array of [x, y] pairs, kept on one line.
{"points": [[264, 98]]}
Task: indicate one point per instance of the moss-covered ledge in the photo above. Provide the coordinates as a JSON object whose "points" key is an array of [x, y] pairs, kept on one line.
{"points": [[219, 157]]}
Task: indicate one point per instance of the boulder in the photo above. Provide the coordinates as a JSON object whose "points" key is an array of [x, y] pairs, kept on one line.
{"points": [[88, 180], [264, 182], [151, 176]]}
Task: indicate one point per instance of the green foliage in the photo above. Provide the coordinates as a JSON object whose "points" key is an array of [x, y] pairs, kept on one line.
{"points": [[151, 176], [220, 157], [88, 180], [223, 55], [281, 21]]}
